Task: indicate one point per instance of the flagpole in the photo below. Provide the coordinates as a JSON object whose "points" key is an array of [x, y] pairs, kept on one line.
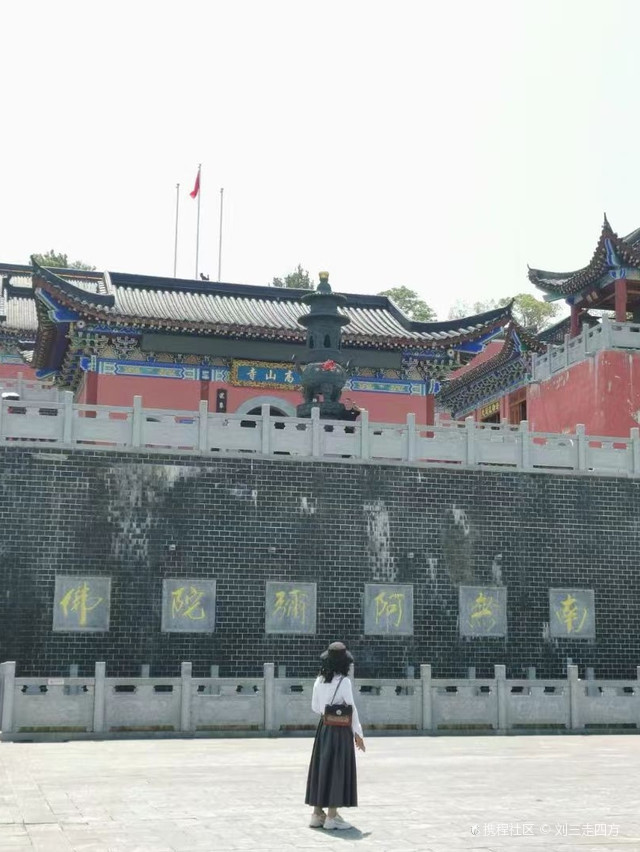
{"points": [[220, 237], [198, 226], [175, 250]]}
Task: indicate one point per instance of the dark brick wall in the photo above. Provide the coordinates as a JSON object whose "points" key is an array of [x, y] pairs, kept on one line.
{"points": [[246, 520]]}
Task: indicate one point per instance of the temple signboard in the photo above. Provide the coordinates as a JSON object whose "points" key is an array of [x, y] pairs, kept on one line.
{"points": [[254, 374], [490, 409]]}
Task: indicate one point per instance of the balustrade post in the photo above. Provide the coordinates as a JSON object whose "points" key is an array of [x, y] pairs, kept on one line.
{"points": [[427, 707], [20, 387], [136, 422], [203, 426], [582, 446], [635, 451], [270, 722], [606, 333], [411, 437], [500, 675], [185, 696], [265, 411], [8, 696], [470, 426], [99, 697], [67, 417], [574, 697], [364, 434], [316, 428], [525, 445], [566, 350]]}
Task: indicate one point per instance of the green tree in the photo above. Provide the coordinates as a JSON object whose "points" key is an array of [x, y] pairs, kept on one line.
{"points": [[467, 309], [410, 303], [296, 280], [529, 312], [57, 259]]}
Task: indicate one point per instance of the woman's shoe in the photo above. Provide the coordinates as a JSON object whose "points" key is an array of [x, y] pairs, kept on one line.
{"points": [[336, 823], [317, 820]]}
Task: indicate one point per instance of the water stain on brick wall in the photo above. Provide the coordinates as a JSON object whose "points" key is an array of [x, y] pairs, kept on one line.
{"points": [[457, 545], [382, 563]]}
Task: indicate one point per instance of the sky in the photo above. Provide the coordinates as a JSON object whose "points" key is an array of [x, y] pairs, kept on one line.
{"points": [[438, 146]]}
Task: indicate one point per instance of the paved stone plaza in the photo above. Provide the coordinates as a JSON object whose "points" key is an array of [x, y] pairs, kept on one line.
{"points": [[416, 793]]}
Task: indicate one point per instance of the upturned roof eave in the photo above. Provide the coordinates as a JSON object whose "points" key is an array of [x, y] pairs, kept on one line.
{"points": [[82, 297], [506, 353], [571, 283]]}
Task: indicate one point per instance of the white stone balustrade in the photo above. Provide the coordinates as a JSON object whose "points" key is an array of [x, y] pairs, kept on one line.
{"points": [[102, 707], [29, 389], [68, 425], [609, 334]]}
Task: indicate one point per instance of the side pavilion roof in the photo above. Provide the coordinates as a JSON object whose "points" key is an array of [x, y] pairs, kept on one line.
{"points": [[610, 253], [517, 341]]}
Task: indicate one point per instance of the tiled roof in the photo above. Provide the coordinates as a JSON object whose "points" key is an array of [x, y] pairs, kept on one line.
{"points": [[517, 340], [19, 314], [237, 310], [610, 251], [17, 300], [492, 348]]}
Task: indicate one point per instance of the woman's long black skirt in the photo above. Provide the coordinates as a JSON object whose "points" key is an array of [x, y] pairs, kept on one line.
{"points": [[332, 781]]}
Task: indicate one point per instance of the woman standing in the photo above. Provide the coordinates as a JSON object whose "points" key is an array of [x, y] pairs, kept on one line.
{"points": [[332, 782]]}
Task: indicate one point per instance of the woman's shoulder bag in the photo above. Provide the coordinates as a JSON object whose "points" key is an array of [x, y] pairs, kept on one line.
{"points": [[338, 715]]}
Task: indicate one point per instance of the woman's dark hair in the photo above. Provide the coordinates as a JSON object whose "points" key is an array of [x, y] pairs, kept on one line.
{"points": [[336, 662]]}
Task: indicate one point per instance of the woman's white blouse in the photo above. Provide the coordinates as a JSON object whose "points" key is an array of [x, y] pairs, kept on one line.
{"points": [[323, 695]]}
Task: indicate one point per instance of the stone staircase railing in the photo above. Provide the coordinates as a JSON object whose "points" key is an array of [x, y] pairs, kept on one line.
{"points": [[609, 334]]}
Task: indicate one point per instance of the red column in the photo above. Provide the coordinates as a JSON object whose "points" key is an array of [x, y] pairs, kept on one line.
{"points": [[621, 300], [204, 390], [92, 388], [504, 408], [575, 321], [430, 409]]}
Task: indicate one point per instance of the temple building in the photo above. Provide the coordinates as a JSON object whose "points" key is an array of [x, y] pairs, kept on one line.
{"points": [[111, 336], [583, 370]]}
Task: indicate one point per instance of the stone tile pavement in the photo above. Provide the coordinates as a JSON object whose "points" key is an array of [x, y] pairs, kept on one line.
{"points": [[444, 794]]}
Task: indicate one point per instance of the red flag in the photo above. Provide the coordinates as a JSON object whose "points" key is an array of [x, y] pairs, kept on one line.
{"points": [[196, 188]]}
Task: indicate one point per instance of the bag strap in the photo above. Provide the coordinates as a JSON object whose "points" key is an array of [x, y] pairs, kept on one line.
{"points": [[336, 691]]}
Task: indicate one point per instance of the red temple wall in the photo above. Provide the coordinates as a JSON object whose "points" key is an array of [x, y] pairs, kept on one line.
{"points": [[12, 371], [184, 394], [602, 392]]}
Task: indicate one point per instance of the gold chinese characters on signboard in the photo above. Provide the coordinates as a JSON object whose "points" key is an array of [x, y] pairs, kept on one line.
{"points": [[490, 409], [263, 374]]}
